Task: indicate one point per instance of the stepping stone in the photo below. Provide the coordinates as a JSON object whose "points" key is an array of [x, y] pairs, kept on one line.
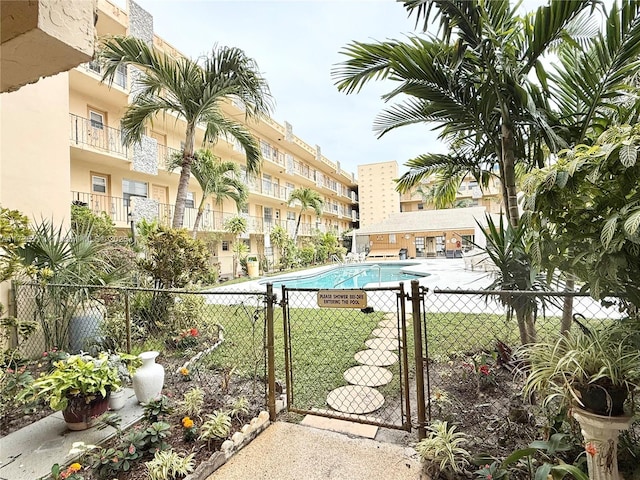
{"points": [[355, 399], [382, 343], [368, 375], [388, 324], [380, 358], [385, 332]]}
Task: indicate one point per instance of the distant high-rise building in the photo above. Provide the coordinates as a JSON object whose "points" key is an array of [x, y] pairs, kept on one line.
{"points": [[377, 192]]}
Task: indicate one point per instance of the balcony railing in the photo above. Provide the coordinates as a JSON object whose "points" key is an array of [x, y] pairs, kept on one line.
{"points": [[116, 208], [166, 156], [120, 77], [96, 135]]}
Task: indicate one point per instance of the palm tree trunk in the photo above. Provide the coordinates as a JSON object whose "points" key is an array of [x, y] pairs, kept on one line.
{"points": [[295, 234], [508, 163], [567, 307], [196, 222], [526, 327], [185, 176]]}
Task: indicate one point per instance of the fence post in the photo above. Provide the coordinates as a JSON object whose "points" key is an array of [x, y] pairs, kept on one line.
{"points": [[127, 316], [271, 362], [12, 311], [419, 359]]}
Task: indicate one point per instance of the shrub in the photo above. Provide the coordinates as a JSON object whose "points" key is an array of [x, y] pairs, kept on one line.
{"points": [[169, 465]]}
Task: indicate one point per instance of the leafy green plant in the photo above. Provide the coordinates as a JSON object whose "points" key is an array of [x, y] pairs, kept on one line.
{"points": [[169, 465], [157, 408], [192, 402], [216, 427], [190, 431], [537, 461], [603, 358], [239, 407], [76, 376], [442, 451]]}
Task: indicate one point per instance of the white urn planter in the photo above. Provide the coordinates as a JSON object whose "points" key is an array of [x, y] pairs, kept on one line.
{"points": [[601, 442], [148, 378]]}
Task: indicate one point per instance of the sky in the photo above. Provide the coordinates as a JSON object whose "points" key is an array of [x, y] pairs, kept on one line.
{"points": [[296, 43]]}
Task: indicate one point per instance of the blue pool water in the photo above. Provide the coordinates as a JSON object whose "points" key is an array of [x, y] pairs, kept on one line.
{"points": [[357, 275]]}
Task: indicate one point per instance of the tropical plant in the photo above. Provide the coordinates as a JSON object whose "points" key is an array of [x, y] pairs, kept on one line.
{"points": [[582, 362], [83, 219], [548, 467], [193, 90], [239, 407], [237, 226], [307, 198], [192, 402], [76, 376], [474, 86], [14, 232], [157, 409], [506, 249], [216, 427], [53, 256], [216, 178], [586, 212], [169, 465], [442, 450]]}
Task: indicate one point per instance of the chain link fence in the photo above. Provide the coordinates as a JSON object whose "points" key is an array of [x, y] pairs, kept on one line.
{"points": [[207, 337]]}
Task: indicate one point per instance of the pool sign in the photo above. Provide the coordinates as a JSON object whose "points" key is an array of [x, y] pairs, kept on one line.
{"points": [[342, 299]]}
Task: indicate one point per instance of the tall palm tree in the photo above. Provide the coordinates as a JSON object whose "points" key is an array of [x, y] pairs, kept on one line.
{"points": [[472, 82], [194, 91], [217, 178], [309, 199]]}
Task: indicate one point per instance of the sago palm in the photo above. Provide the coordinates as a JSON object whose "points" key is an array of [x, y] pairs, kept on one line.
{"points": [[194, 91]]}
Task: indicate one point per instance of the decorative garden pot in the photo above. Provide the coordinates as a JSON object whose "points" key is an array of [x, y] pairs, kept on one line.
{"points": [[149, 378], [604, 400], [117, 399], [81, 415]]}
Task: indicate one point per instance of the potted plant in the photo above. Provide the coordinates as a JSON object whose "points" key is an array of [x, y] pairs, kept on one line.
{"points": [[125, 365], [79, 386], [595, 369]]}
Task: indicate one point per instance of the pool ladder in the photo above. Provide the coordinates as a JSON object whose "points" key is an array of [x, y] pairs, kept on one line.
{"points": [[362, 271]]}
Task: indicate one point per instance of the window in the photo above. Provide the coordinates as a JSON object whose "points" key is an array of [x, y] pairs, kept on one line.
{"points": [[96, 119], [421, 206], [99, 184], [245, 209], [225, 245], [291, 216], [191, 200], [392, 238], [133, 188]]}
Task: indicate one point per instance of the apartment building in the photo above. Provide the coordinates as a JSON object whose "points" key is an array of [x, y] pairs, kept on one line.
{"points": [[94, 168], [377, 190], [469, 195]]}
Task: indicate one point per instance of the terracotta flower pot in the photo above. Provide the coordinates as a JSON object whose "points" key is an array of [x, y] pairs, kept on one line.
{"points": [[81, 415]]}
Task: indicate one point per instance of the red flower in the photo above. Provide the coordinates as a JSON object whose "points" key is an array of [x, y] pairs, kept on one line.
{"points": [[489, 476], [591, 449], [194, 332], [484, 369], [132, 449]]}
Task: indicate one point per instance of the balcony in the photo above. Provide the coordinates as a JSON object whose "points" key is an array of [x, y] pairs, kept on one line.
{"points": [[119, 79], [97, 136], [166, 156]]}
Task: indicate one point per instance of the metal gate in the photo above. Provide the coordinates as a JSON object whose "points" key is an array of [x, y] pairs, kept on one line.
{"points": [[347, 354]]}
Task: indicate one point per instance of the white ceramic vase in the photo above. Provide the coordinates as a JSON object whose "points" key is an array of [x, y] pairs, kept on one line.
{"points": [[148, 378], [117, 399]]}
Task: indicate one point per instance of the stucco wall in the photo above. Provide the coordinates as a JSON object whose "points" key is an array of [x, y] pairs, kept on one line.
{"points": [[34, 148]]}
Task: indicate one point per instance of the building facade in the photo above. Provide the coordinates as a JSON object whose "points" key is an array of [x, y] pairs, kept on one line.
{"points": [[88, 164], [377, 192]]}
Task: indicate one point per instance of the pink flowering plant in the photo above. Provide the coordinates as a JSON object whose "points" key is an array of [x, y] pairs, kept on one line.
{"points": [[186, 339]]}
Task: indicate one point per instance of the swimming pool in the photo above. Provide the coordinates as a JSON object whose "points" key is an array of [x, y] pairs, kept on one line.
{"points": [[357, 275]]}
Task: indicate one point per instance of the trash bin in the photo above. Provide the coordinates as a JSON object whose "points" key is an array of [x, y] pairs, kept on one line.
{"points": [[403, 254], [253, 266]]}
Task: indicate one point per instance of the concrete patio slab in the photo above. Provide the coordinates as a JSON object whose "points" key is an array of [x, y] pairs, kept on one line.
{"points": [[340, 426]]}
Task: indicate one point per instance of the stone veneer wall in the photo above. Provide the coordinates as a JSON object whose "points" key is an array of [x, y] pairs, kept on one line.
{"points": [[146, 208], [145, 156]]}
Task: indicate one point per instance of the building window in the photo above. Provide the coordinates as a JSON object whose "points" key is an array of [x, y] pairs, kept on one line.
{"points": [[225, 245], [191, 200], [291, 216], [392, 238], [99, 184], [96, 119], [134, 188], [421, 206], [245, 209]]}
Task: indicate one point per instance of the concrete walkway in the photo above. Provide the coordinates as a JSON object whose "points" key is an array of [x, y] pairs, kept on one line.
{"points": [[287, 451]]}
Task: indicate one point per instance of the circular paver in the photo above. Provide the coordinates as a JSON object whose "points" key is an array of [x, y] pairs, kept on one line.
{"points": [[368, 375], [380, 358], [385, 332], [382, 343], [390, 316], [388, 324], [355, 399]]}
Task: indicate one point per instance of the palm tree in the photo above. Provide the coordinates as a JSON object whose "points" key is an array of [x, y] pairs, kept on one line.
{"points": [[474, 87], [237, 226], [217, 178], [194, 91], [309, 199]]}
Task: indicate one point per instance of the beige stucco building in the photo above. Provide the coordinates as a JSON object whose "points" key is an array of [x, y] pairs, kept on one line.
{"points": [[377, 192], [61, 143]]}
